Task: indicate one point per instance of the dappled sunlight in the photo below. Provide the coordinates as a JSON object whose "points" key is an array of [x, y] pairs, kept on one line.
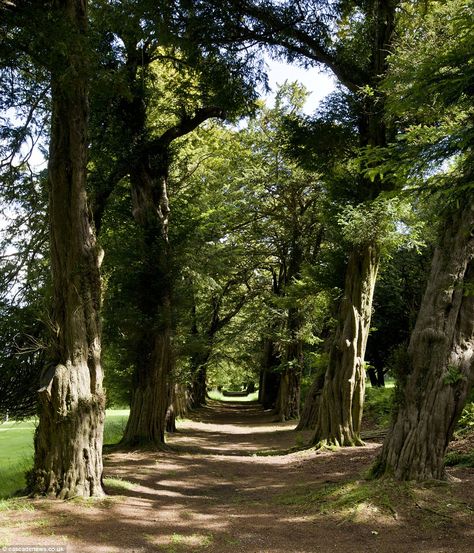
{"points": [[215, 490]]}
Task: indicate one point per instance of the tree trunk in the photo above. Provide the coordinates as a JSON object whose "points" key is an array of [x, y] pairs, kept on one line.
{"points": [[68, 440], [155, 360], [340, 412], [198, 394], [441, 361], [288, 403], [181, 400], [147, 421], [270, 378], [198, 389]]}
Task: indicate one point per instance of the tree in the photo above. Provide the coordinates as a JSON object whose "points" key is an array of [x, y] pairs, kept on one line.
{"points": [[24, 280], [164, 88], [439, 369], [68, 440]]}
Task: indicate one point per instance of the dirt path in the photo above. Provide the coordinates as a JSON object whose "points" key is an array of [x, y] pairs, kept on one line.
{"points": [[219, 491]]}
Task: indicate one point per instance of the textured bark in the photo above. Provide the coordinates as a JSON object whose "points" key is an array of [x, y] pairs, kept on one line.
{"points": [[342, 399], [147, 421], [441, 361], [288, 403], [68, 440], [181, 401], [198, 389], [340, 411]]}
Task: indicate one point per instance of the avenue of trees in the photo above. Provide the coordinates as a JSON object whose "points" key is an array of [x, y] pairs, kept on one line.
{"points": [[165, 231]]}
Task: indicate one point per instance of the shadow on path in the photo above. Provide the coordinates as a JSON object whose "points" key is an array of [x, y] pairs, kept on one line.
{"points": [[211, 493]]}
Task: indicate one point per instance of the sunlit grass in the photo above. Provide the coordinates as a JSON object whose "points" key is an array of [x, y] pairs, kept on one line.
{"points": [[16, 448], [348, 498], [118, 484]]}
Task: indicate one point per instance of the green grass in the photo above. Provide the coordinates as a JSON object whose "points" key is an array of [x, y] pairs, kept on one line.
{"points": [[115, 421], [16, 448], [16, 455], [348, 498], [453, 458], [118, 484], [214, 394]]}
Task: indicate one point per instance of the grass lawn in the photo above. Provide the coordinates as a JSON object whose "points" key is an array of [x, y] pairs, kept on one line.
{"points": [[16, 448]]}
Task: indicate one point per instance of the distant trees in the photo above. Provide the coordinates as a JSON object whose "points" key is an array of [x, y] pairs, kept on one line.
{"points": [[355, 51]]}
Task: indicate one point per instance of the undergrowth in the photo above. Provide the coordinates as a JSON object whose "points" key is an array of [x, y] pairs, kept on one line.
{"points": [[378, 405]]}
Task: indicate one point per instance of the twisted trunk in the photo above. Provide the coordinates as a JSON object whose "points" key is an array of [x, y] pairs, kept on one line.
{"points": [[68, 440], [441, 361], [198, 388], [150, 395], [340, 411]]}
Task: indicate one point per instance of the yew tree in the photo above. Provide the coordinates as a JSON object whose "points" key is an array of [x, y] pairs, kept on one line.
{"points": [[161, 88], [436, 151], [68, 439]]}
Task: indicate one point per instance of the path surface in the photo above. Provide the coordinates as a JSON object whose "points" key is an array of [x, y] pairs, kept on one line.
{"points": [[218, 491]]}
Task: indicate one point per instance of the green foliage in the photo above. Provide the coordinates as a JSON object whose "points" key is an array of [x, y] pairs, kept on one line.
{"points": [[466, 421], [453, 375], [388, 222], [429, 91], [378, 405], [398, 293], [454, 458]]}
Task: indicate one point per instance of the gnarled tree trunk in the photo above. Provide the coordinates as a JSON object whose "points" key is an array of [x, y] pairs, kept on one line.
{"points": [[340, 411], [68, 440], [198, 387], [441, 361], [150, 395]]}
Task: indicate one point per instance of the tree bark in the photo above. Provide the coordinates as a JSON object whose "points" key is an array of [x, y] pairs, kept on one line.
{"points": [[198, 388], [342, 399], [340, 411], [150, 395], [155, 360], [68, 440], [441, 361]]}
